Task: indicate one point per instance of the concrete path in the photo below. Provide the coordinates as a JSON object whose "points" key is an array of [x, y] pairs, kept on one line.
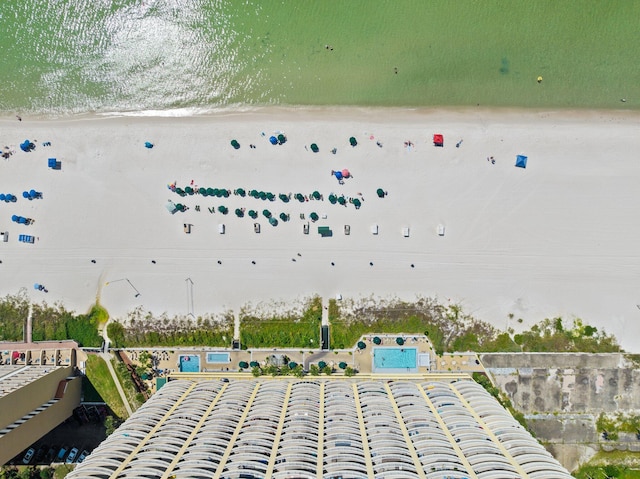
{"points": [[107, 359]]}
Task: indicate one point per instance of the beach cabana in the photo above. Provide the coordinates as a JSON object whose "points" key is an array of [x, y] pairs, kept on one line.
{"points": [[521, 161], [235, 144], [273, 140], [438, 140], [380, 193], [377, 341], [171, 207], [352, 141], [362, 345], [314, 148]]}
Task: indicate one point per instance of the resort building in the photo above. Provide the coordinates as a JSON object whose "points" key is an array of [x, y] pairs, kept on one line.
{"points": [[321, 428], [38, 391]]}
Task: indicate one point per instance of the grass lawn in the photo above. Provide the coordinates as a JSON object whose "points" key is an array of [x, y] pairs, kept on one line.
{"points": [[98, 374]]}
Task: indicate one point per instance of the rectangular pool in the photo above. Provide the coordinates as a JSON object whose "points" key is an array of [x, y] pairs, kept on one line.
{"points": [[218, 358], [395, 360], [189, 363]]}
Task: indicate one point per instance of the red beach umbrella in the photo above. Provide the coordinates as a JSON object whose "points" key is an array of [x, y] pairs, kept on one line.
{"points": [[345, 173]]}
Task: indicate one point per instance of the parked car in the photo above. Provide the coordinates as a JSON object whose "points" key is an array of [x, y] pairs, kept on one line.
{"points": [[72, 455], [62, 453], [28, 455], [83, 455], [51, 453]]}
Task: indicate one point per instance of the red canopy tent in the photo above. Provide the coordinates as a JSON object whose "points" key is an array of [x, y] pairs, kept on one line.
{"points": [[438, 140]]}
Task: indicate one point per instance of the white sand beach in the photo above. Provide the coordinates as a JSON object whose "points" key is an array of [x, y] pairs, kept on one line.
{"points": [[559, 238]]}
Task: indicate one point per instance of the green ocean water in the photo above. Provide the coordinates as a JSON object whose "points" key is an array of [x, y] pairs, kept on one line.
{"points": [[74, 56]]}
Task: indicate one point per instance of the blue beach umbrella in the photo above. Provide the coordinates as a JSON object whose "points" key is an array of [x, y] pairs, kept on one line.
{"points": [[148, 144], [36, 286], [34, 194], [273, 140], [22, 220], [338, 174], [3, 197], [15, 218], [25, 194]]}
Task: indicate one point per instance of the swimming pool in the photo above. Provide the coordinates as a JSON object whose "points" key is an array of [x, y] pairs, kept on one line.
{"points": [[189, 363], [395, 360], [214, 358]]}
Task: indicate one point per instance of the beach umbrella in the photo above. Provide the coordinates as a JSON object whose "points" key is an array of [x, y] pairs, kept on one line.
{"points": [[34, 194], [322, 365], [399, 341], [225, 193], [362, 345], [342, 200], [357, 203], [11, 198], [345, 173], [215, 192], [293, 365], [314, 148], [263, 195], [352, 141], [220, 193], [179, 207], [266, 213], [22, 220], [284, 217], [241, 192], [314, 216], [188, 190], [254, 364], [300, 197], [342, 365], [180, 191], [3, 197], [210, 192], [203, 191], [243, 364], [273, 221], [148, 144], [282, 139], [253, 214], [235, 144], [15, 218], [223, 209], [338, 175], [333, 199], [271, 196], [377, 340], [254, 193], [25, 194], [273, 140], [239, 213], [380, 193], [316, 195], [284, 197]]}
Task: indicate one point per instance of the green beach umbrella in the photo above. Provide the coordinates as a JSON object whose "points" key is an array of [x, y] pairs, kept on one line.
{"points": [[333, 199], [215, 192], [362, 345], [266, 213], [342, 200], [241, 192], [293, 365], [322, 365], [357, 203], [243, 364], [380, 193], [377, 340], [314, 216], [225, 193], [254, 193], [284, 217], [254, 364], [271, 196], [300, 197], [316, 195], [179, 206], [263, 195], [223, 209], [235, 144], [283, 197], [352, 141], [203, 191], [314, 148], [220, 193], [253, 214], [273, 221], [239, 213], [399, 341], [211, 192], [282, 139], [188, 190], [180, 191], [342, 365]]}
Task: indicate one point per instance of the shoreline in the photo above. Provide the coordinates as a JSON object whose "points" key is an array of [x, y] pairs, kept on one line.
{"points": [[554, 239]]}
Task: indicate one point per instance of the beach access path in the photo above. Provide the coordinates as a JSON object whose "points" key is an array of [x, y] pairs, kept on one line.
{"points": [[559, 238]]}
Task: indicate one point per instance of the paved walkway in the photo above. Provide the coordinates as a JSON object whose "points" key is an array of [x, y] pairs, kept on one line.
{"points": [[107, 359]]}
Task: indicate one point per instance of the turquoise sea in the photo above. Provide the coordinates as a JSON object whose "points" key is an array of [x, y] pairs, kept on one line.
{"points": [[73, 56]]}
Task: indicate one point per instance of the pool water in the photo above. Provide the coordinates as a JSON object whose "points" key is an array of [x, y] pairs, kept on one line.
{"points": [[218, 358], [189, 363], [395, 359]]}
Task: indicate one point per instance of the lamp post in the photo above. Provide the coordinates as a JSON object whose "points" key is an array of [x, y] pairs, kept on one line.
{"points": [[130, 284]]}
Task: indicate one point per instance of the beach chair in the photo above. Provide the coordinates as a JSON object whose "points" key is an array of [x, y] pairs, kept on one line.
{"points": [[440, 230], [374, 229], [347, 230], [438, 140]]}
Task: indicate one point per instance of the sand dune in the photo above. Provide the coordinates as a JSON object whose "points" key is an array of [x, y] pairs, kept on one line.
{"points": [[557, 238]]}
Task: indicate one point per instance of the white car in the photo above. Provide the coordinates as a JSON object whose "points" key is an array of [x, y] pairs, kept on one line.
{"points": [[72, 455], [28, 456]]}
